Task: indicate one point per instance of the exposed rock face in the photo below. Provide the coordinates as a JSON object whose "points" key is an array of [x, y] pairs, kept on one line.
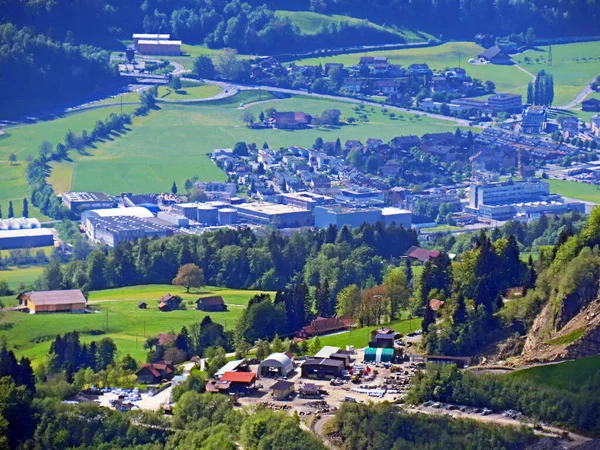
{"points": [[581, 337]]}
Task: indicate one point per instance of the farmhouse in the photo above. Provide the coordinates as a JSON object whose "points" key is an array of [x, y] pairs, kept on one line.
{"points": [[290, 120], [53, 301], [415, 253], [323, 325], [169, 302], [419, 69], [495, 55], [211, 304], [352, 85], [155, 372], [591, 104]]}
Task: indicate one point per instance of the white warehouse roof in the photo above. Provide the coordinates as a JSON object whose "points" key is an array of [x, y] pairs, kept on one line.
{"points": [[135, 211]]}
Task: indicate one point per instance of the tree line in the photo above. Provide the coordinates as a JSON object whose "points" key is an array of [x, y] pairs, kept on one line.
{"points": [[541, 90]]}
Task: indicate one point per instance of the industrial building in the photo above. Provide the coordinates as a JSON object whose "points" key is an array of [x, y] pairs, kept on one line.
{"points": [[305, 200], [145, 36], [113, 230], [158, 47], [26, 238], [376, 355], [276, 365], [325, 368], [189, 210], [355, 217], [212, 187], [279, 216], [521, 199], [71, 300], [361, 197], [80, 201], [174, 219]]}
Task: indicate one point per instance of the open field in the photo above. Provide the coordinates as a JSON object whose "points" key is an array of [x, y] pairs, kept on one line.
{"points": [[573, 67], [311, 22], [17, 275], [569, 375], [48, 250], [61, 176], [30, 335], [25, 140], [585, 115], [187, 93], [506, 78], [117, 99], [360, 338], [572, 189], [171, 144]]}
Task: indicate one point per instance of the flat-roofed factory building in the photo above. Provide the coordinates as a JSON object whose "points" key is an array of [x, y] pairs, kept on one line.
{"points": [[81, 201], [279, 216]]}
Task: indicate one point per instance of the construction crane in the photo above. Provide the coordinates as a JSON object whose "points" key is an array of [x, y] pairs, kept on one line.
{"points": [[472, 161]]}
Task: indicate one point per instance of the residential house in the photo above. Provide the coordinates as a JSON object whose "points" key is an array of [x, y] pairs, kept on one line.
{"points": [[387, 87], [391, 169], [320, 182], [419, 70], [415, 253], [156, 372], [290, 120], [591, 104], [570, 126], [595, 120], [380, 68], [352, 144], [329, 66], [495, 55], [366, 60], [324, 325], [485, 40], [405, 142], [439, 83], [352, 85], [373, 143], [169, 302], [457, 73], [211, 304]]}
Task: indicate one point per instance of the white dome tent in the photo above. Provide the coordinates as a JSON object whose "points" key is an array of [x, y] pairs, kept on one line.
{"points": [[277, 364]]}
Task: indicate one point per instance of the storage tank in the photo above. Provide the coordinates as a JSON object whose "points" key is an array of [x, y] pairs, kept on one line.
{"points": [[227, 216], [207, 215]]}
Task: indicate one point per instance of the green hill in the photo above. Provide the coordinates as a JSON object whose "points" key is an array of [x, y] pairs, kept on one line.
{"points": [[569, 375], [310, 23]]}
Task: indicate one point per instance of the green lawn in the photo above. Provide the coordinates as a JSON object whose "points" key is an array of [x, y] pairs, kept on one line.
{"points": [[573, 67], [570, 375], [360, 338], [572, 189], [25, 140], [310, 23], [187, 93], [506, 78], [171, 144], [61, 176], [17, 275], [30, 335]]}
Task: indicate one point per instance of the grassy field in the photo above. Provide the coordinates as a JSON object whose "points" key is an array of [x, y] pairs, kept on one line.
{"points": [[125, 97], [48, 250], [585, 115], [573, 67], [187, 93], [506, 78], [572, 189], [17, 275], [25, 140], [30, 335], [61, 176], [568, 375], [171, 144], [310, 23], [360, 338]]}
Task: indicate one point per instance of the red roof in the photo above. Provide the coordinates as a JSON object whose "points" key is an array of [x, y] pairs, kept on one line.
{"points": [[166, 339], [212, 301], [324, 324], [239, 377], [166, 297], [436, 304], [421, 254]]}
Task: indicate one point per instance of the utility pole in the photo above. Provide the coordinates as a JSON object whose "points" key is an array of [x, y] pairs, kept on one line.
{"points": [[550, 55], [121, 103], [459, 55], [106, 328]]}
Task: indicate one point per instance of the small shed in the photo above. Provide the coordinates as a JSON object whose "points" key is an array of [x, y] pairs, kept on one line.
{"points": [[142, 305], [211, 304], [379, 354], [282, 389], [277, 364]]}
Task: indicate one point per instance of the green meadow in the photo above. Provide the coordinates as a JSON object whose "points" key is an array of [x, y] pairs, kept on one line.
{"points": [[17, 275], [573, 67], [572, 189], [119, 318], [171, 144]]}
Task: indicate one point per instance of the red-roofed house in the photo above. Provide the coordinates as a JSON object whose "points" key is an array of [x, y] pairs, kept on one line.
{"points": [[436, 304], [155, 372], [169, 302], [415, 253], [290, 120], [210, 304], [324, 325]]}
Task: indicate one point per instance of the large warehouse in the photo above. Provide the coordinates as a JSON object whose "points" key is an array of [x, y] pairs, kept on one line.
{"points": [[354, 217], [279, 216], [325, 368], [25, 238], [80, 201], [278, 364], [53, 301]]}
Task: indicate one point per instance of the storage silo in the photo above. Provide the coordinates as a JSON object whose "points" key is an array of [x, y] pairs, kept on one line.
{"points": [[207, 215], [227, 216]]}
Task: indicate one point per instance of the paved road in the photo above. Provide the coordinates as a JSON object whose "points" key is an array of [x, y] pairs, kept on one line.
{"points": [[579, 98]]}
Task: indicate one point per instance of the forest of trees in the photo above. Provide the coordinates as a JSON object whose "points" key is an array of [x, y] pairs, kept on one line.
{"points": [[383, 426], [244, 259], [36, 70]]}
